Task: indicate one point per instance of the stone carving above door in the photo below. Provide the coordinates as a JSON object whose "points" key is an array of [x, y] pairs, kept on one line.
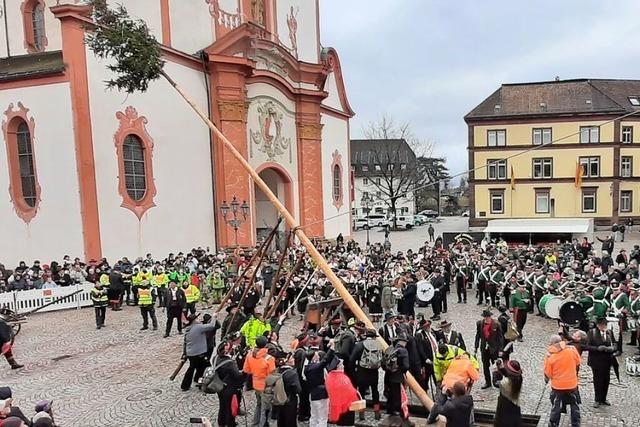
{"points": [[270, 139]]}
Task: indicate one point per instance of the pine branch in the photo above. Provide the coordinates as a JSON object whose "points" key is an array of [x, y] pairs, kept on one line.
{"points": [[129, 43]]}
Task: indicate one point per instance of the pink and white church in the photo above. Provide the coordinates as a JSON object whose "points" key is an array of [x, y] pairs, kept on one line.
{"points": [[92, 172]]}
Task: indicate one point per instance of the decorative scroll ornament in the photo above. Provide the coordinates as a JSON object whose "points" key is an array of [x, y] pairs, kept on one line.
{"points": [[269, 139]]}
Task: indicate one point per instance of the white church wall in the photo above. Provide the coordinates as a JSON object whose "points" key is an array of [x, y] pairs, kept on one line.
{"points": [[305, 14], [200, 23], [56, 229], [259, 95], [15, 26], [183, 216], [335, 137], [331, 87], [147, 10]]}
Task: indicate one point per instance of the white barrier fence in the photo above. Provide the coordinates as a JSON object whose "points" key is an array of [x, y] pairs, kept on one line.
{"points": [[24, 301]]}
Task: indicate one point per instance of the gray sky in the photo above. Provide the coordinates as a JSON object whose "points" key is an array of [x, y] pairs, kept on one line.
{"points": [[430, 62]]}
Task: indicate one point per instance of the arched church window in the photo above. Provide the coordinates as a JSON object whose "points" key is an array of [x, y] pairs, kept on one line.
{"points": [[134, 168], [24, 189], [337, 183], [134, 148], [35, 38]]}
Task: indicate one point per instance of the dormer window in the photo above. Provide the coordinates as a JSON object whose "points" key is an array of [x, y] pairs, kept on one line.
{"points": [[635, 101]]}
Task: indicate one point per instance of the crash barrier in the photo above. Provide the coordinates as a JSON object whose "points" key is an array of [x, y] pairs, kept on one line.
{"points": [[25, 301]]}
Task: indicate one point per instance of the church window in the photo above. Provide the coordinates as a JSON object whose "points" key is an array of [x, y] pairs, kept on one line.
{"points": [[24, 188], [134, 169], [33, 12], [134, 148]]}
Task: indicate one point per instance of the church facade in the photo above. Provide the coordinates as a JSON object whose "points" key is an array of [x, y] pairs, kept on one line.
{"points": [[95, 172]]}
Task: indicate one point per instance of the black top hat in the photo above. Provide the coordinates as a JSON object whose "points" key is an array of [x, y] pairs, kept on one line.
{"points": [[486, 313]]}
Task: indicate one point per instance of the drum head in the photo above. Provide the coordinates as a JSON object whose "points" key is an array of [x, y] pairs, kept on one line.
{"points": [[553, 307], [425, 291], [543, 302], [571, 313]]}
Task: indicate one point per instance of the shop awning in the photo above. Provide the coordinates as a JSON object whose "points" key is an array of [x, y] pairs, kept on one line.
{"points": [[541, 225]]}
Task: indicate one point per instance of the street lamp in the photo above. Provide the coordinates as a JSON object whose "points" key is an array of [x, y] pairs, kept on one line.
{"points": [[365, 202], [231, 213]]}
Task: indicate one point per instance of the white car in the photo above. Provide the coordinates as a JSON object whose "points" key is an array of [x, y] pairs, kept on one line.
{"points": [[377, 220], [403, 221], [360, 224]]}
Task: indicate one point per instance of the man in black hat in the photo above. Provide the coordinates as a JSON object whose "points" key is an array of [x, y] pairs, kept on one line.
{"points": [[427, 343], [440, 288], [449, 336], [367, 358], [175, 301], [520, 303], [601, 345], [395, 365], [388, 331], [490, 340]]}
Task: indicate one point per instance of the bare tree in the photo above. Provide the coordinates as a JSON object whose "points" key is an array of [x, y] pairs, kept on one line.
{"points": [[392, 161]]}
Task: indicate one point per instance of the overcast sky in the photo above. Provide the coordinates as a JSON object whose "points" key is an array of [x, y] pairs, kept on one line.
{"points": [[429, 62]]}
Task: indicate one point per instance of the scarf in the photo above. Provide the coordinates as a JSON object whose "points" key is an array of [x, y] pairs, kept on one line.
{"points": [[341, 394]]}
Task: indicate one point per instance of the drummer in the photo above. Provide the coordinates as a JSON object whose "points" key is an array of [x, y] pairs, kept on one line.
{"points": [[634, 313], [520, 302], [620, 306]]}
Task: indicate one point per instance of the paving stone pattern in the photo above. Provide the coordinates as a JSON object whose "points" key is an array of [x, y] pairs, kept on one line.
{"points": [[119, 375]]}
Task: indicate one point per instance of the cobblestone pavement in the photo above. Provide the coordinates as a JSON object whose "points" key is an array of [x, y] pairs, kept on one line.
{"points": [[119, 375]]}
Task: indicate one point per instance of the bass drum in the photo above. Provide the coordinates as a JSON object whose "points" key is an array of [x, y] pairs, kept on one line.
{"points": [[571, 312], [426, 291], [542, 305], [553, 307]]}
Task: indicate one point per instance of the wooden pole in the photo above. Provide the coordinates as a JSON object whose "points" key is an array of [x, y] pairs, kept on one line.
{"points": [[306, 242], [255, 256], [280, 296], [279, 271], [253, 275]]}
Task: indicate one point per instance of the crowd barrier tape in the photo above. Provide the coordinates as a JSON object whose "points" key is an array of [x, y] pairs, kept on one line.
{"points": [[25, 301]]}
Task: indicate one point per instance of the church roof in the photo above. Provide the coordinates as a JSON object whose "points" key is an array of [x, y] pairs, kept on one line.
{"points": [[32, 65], [561, 97]]}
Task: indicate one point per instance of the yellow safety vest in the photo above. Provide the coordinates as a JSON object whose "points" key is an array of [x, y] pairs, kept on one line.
{"points": [[144, 297]]}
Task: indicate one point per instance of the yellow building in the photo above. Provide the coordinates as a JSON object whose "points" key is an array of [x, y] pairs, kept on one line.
{"points": [[526, 142]]}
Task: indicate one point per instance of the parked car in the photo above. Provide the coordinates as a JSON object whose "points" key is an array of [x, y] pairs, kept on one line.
{"points": [[430, 213], [419, 219], [402, 221], [377, 220], [360, 224]]}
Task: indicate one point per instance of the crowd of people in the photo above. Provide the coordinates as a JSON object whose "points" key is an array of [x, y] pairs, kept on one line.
{"points": [[336, 361], [12, 416]]}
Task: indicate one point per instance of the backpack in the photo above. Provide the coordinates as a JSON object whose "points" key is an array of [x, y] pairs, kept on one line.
{"points": [[211, 382], [340, 343], [274, 393], [390, 360], [512, 331], [371, 358]]}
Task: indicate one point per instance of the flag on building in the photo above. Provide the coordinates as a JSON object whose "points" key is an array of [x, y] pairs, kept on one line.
{"points": [[579, 173], [513, 179]]}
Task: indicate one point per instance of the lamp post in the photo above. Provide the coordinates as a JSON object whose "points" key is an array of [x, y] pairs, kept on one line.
{"points": [[235, 214], [365, 202]]}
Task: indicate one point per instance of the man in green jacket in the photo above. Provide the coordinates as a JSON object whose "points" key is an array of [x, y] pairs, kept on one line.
{"points": [[520, 302], [254, 328]]}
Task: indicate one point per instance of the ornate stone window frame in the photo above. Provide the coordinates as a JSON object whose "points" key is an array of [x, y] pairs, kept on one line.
{"points": [[337, 162], [26, 8], [9, 127], [133, 124]]}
